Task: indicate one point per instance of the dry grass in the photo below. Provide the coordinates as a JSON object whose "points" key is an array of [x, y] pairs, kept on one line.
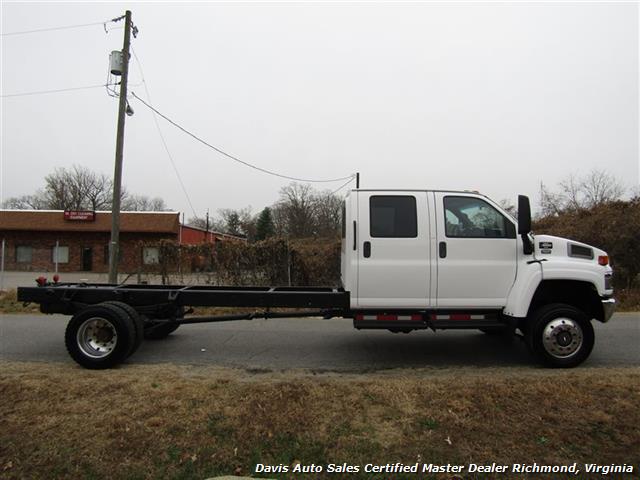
{"points": [[9, 303], [135, 422], [628, 300]]}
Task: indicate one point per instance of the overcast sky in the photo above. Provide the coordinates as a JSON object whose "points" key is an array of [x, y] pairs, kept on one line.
{"points": [[491, 97]]}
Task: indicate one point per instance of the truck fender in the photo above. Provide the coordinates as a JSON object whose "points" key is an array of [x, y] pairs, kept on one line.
{"points": [[527, 281]]}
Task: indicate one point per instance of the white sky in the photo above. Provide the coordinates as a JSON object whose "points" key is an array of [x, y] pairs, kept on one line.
{"points": [[493, 97]]}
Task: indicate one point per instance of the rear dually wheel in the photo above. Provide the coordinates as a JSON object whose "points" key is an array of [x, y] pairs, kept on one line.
{"points": [[135, 318], [100, 336]]}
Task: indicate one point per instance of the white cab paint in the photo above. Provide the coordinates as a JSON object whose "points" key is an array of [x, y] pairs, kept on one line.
{"points": [[476, 272], [398, 271], [558, 265]]}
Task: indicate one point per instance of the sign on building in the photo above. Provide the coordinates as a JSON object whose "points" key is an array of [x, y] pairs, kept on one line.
{"points": [[79, 215]]}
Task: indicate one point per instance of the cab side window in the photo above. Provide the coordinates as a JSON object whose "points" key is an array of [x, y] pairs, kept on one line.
{"points": [[393, 216], [468, 217]]}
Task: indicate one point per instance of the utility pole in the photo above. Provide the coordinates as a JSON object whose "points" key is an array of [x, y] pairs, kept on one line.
{"points": [[206, 235], [114, 249]]}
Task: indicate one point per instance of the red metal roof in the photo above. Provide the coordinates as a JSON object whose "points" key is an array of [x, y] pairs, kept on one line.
{"points": [[191, 235]]}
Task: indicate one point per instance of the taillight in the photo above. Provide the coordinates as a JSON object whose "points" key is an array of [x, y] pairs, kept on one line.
{"points": [[603, 260]]}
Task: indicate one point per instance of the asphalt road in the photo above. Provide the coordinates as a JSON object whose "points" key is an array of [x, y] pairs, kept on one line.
{"points": [[316, 344]]}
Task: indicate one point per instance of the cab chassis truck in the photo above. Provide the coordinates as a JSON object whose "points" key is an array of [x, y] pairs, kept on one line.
{"points": [[410, 260]]}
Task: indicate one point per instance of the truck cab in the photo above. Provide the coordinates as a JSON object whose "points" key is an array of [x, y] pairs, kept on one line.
{"points": [[416, 259]]}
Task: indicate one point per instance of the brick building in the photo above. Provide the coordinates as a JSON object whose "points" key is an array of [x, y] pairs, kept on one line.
{"points": [[82, 239], [30, 239]]}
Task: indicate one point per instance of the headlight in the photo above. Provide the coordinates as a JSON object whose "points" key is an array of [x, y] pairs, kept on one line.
{"points": [[608, 277]]}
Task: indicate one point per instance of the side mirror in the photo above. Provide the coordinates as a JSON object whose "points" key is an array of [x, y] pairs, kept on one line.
{"points": [[524, 223], [524, 215]]}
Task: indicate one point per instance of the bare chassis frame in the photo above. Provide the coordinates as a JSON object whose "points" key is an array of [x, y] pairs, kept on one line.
{"points": [[170, 303]]}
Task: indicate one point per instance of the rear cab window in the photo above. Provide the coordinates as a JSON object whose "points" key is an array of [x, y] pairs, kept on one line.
{"points": [[393, 216]]}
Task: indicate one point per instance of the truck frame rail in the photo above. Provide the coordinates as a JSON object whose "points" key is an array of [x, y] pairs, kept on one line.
{"points": [[66, 298]]}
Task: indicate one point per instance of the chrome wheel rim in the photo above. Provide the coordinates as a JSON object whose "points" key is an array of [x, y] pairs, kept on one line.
{"points": [[562, 337], [97, 337]]}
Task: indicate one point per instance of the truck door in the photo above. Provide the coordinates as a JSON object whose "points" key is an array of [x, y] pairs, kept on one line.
{"points": [[476, 252], [393, 250]]}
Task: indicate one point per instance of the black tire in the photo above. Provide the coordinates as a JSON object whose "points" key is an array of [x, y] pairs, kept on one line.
{"points": [[100, 336], [560, 336], [137, 323], [161, 331]]}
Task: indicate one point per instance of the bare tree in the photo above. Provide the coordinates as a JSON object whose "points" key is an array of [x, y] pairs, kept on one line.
{"points": [[571, 192], [301, 212], [298, 209], [550, 203], [328, 214], [142, 203], [237, 222], [279, 217], [231, 220], [600, 187], [197, 222], [579, 193], [26, 202], [509, 207], [98, 191], [234, 222], [248, 223], [78, 188], [213, 223]]}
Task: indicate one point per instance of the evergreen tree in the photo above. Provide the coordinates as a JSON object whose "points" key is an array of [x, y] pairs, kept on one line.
{"points": [[233, 223], [264, 226]]}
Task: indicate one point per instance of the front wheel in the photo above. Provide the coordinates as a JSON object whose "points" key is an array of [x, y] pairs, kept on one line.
{"points": [[560, 335]]}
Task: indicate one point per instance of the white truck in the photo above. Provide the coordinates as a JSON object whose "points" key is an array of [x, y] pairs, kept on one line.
{"points": [[461, 259], [411, 259]]}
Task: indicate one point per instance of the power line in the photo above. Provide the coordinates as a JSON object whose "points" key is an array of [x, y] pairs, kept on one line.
{"points": [[236, 159], [65, 27], [42, 92], [343, 185], [164, 143]]}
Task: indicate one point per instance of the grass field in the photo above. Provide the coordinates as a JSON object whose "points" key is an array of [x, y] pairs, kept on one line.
{"points": [[136, 422]]}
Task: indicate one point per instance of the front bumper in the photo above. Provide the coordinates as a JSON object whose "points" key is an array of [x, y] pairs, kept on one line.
{"points": [[608, 307]]}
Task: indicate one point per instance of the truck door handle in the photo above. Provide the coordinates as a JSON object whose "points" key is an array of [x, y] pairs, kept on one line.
{"points": [[367, 249], [442, 247], [355, 241]]}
